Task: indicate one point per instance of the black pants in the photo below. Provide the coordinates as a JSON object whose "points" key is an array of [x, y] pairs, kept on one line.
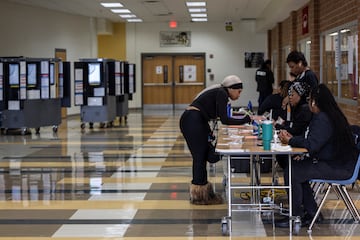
{"points": [[303, 171], [196, 130]]}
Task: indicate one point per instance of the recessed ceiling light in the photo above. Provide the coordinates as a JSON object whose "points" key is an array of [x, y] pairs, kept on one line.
{"points": [[196, 4], [198, 15], [121, 10], [110, 5], [199, 19], [197, 10], [127, 15], [134, 20]]}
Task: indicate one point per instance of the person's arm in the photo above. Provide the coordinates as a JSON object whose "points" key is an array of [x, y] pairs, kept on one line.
{"points": [[301, 120], [320, 131], [222, 101], [311, 79]]}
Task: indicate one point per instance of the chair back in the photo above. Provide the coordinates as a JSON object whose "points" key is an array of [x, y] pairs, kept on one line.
{"points": [[355, 175]]}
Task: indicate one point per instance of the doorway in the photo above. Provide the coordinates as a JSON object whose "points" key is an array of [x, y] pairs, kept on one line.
{"points": [[171, 81]]}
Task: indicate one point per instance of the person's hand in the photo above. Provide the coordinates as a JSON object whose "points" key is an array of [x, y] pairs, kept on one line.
{"points": [[258, 117], [285, 136], [285, 102]]}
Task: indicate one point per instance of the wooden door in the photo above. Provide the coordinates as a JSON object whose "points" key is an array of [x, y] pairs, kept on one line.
{"points": [[157, 77], [172, 80], [189, 77]]}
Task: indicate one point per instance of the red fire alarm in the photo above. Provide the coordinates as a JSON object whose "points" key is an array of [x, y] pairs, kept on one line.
{"points": [[172, 24]]}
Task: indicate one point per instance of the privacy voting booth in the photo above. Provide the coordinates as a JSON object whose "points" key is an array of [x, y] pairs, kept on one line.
{"points": [[98, 86], [32, 92], [103, 88], [125, 75]]}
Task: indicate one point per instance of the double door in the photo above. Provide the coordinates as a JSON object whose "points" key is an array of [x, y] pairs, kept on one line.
{"points": [[172, 80]]}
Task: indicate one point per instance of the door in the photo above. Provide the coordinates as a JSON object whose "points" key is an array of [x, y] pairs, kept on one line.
{"points": [[172, 80], [157, 80]]}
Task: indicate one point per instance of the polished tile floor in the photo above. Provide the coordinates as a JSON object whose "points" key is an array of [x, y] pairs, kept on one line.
{"points": [[126, 182]]}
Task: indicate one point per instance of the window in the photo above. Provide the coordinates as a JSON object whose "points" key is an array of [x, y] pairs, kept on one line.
{"points": [[339, 62]]}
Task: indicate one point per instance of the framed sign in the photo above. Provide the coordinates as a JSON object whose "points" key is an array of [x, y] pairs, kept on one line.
{"points": [[253, 59], [175, 39]]}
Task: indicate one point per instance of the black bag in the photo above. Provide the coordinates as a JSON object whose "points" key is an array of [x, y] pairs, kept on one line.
{"points": [[241, 164], [213, 156]]}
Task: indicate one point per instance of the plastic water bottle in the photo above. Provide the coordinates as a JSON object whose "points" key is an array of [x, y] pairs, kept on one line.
{"points": [[255, 128], [250, 107], [229, 110]]}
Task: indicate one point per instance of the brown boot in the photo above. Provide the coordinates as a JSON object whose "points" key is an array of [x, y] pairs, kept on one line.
{"points": [[204, 195]]}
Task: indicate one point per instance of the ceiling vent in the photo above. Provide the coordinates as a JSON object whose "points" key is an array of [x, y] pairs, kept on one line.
{"points": [[157, 8]]}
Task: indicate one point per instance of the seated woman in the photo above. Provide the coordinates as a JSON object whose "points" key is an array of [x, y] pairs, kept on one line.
{"points": [[331, 150], [274, 102], [300, 115]]}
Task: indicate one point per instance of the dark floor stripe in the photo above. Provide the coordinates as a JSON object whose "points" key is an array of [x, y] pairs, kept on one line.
{"points": [[9, 191], [110, 221]]}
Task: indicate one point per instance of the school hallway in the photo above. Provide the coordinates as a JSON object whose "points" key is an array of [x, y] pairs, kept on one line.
{"points": [[129, 181]]}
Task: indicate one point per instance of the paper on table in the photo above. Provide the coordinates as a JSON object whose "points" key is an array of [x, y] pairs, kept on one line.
{"points": [[280, 148], [231, 150]]}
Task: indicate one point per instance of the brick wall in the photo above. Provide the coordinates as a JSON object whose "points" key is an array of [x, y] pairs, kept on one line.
{"points": [[333, 13], [323, 15]]}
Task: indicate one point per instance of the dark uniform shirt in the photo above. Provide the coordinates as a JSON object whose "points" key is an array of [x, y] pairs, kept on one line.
{"points": [[213, 104]]}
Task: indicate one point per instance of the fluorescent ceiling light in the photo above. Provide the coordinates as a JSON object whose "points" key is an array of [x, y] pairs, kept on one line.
{"points": [[134, 20], [195, 15], [110, 5], [197, 10], [196, 4], [120, 10], [127, 15], [199, 19]]}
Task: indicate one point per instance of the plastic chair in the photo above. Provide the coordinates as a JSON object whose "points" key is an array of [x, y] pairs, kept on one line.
{"points": [[339, 187]]}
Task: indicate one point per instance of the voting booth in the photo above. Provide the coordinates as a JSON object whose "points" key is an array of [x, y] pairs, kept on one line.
{"points": [[95, 91], [125, 75], [32, 92], [103, 88]]}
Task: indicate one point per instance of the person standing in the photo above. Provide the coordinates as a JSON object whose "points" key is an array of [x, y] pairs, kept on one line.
{"points": [[265, 79], [209, 104], [299, 67]]}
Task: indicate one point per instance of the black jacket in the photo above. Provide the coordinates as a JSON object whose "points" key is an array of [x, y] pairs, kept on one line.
{"points": [[300, 119], [213, 104], [265, 79], [320, 143]]}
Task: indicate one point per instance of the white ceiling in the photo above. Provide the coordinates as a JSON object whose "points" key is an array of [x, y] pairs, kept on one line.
{"points": [[266, 13]]}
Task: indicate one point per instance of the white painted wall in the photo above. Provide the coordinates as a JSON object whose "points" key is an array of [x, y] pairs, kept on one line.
{"points": [[35, 32], [228, 49]]}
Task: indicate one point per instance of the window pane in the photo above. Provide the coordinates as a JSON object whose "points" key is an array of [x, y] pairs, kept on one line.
{"points": [[329, 68], [348, 64]]}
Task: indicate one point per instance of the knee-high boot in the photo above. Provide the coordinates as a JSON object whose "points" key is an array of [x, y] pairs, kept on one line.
{"points": [[204, 195]]}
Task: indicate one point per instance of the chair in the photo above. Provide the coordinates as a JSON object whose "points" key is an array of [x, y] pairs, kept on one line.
{"points": [[339, 187]]}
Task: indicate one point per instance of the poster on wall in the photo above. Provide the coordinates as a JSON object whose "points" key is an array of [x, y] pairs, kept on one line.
{"points": [[175, 39], [253, 59], [190, 73]]}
